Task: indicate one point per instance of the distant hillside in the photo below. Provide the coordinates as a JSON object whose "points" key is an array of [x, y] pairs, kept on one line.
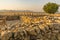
{"points": [[16, 11]]}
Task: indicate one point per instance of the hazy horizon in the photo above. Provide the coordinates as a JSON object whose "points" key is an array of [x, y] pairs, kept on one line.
{"points": [[32, 5]]}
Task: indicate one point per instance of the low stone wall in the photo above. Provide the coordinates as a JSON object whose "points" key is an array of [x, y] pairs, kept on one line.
{"points": [[40, 19]]}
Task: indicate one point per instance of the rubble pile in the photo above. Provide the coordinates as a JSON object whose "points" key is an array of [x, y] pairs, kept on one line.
{"points": [[34, 32], [32, 28]]}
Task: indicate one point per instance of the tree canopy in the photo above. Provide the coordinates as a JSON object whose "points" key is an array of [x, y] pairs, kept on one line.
{"points": [[50, 7]]}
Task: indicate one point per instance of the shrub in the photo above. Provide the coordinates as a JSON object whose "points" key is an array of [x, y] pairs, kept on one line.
{"points": [[51, 8]]}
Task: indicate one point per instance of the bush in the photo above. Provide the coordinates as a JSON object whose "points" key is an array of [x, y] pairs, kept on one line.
{"points": [[50, 8]]}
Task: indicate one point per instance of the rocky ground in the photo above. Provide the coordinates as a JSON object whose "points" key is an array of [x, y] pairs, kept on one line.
{"points": [[32, 28]]}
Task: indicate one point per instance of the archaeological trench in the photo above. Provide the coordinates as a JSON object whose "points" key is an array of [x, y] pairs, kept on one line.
{"points": [[32, 27]]}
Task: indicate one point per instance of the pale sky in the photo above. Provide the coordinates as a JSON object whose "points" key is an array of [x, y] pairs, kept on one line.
{"points": [[34, 5]]}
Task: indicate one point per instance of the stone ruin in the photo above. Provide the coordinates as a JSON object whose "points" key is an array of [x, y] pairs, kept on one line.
{"points": [[2, 20], [33, 28]]}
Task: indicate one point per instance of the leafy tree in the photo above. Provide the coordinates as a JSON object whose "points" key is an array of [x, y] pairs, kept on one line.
{"points": [[51, 8]]}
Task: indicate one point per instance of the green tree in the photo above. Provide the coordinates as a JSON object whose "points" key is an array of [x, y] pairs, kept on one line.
{"points": [[51, 7]]}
